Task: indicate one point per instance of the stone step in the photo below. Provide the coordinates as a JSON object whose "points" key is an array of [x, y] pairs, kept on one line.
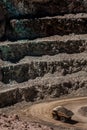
{"points": [[33, 67], [38, 8], [14, 51], [47, 26], [47, 87]]}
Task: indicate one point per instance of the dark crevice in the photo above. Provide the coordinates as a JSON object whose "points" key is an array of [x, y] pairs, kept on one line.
{"points": [[21, 17], [39, 15]]}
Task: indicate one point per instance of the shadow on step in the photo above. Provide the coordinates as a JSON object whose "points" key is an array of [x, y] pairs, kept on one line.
{"points": [[73, 122]]}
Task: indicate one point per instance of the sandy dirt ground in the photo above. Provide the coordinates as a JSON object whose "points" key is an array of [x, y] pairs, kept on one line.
{"points": [[41, 114]]}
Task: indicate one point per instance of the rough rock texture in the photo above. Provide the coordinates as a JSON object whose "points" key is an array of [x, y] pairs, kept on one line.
{"points": [[33, 28], [47, 26], [47, 77], [50, 86], [19, 19], [37, 8], [9, 97], [0, 75], [13, 122], [14, 51], [32, 67], [2, 21], [2, 29], [83, 111]]}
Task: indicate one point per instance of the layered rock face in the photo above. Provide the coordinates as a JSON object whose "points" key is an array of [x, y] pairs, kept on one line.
{"points": [[16, 8], [43, 49], [33, 28], [2, 21], [44, 27]]}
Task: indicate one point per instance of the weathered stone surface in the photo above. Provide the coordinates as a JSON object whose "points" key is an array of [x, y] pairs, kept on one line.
{"points": [[2, 29], [14, 51], [16, 8], [32, 67], [83, 111], [43, 88], [2, 21], [0, 75], [9, 121], [53, 86], [2, 12], [9, 97], [48, 26]]}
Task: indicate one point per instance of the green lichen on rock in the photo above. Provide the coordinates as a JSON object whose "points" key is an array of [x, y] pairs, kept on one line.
{"points": [[45, 27], [12, 11], [21, 30], [5, 52]]}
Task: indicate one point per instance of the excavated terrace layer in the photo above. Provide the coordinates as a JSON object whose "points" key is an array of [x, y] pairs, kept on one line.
{"points": [[2, 21], [47, 87], [45, 76], [47, 26], [26, 9], [14, 51], [40, 8], [32, 67]]}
